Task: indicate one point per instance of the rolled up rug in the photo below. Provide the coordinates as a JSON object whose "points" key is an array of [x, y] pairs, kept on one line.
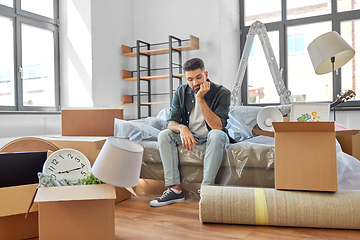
{"points": [[268, 206]]}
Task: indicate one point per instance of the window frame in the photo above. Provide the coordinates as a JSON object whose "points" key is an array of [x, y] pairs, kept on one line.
{"points": [[19, 17], [334, 17]]}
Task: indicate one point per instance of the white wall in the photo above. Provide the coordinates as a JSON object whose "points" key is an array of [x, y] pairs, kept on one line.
{"points": [[112, 26], [116, 23], [349, 119], [18, 125], [215, 23]]}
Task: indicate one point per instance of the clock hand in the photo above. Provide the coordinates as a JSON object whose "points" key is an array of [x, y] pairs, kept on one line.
{"points": [[74, 169], [67, 171]]}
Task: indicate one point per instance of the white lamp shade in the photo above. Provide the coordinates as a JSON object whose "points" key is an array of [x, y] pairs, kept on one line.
{"points": [[267, 116], [119, 162], [328, 45]]}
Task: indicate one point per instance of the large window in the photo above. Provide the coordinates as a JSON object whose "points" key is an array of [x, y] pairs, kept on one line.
{"points": [[29, 59], [291, 26]]}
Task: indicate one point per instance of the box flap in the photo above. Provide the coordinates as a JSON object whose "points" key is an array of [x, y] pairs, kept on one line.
{"points": [[92, 108], [304, 126], [74, 138], [262, 132], [15, 200], [347, 132], [75, 193], [338, 133]]}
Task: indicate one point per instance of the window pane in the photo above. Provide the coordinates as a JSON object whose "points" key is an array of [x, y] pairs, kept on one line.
{"points": [[307, 8], [38, 67], [301, 73], [290, 44], [261, 87], [348, 5], [8, 3], [265, 11], [7, 97], [41, 7], [350, 72], [299, 43]]}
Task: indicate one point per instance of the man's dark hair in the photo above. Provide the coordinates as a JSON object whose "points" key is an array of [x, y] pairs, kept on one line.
{"points": [[193, 64]]}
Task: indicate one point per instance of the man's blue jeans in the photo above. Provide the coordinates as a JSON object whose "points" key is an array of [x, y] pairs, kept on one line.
{"points": [[215, 147]]}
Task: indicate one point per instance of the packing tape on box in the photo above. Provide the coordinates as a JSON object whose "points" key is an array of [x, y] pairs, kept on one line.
{"points": [[268, 206]]}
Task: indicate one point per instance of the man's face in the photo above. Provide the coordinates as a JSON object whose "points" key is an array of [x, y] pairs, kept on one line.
{"points": [[196, 78]]}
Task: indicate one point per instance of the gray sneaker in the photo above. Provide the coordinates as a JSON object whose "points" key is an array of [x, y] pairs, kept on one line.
{"points": [[168, 197]]}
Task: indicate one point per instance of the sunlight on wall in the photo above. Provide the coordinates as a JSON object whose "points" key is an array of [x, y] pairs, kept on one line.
{"points": [[79, 36], [79, 95], [78, 48]]}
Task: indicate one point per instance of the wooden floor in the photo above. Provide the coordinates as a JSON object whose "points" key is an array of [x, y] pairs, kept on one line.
{"points": [[135, 219]]}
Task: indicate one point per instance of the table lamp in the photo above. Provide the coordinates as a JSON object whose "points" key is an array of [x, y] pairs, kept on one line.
{"points": [[329, 52], [119, 163]]}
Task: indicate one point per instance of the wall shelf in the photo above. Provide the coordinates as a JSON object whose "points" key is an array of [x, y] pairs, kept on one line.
{"points": [[128, 100], [128, 51], [128, 76], [144, 73]]}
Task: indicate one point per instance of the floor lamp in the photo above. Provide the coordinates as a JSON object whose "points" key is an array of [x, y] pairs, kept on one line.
{"points": [[329, 52]]}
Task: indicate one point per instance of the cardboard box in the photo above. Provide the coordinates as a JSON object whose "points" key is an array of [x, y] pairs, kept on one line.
{"points": [[76, 212], [14, 203], [350, 144], [90, 147], [18, 181], [121, 194], [90, 121], [305, 156]]}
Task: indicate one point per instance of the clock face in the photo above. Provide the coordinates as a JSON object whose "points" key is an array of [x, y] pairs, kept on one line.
{"points": [[67, 163]]}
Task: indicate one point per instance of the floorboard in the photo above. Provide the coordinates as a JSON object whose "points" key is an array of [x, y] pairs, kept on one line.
{"points": [[135, 219]]}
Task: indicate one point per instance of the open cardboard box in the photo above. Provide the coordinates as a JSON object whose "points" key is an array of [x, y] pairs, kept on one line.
{"points": [[90, 121], [76, 212], [90, 147], [305, 155], [14, 203], [349, 140], [18, 182]]}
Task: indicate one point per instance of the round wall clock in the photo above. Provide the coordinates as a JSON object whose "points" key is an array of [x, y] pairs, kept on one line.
{"points": [[67, 163]]}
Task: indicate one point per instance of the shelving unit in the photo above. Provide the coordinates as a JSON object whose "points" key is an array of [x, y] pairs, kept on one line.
{"points": [[147, 53]]}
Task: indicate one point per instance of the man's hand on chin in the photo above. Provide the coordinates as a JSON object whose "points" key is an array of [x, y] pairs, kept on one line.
{"points": [[204, 88]]}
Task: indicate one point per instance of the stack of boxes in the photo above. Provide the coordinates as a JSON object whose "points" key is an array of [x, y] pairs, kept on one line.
{"points": [[73, 212], [86, 212]]}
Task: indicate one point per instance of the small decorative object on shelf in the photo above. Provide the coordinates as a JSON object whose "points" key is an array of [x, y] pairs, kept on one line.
{"points": [[144, 73]]}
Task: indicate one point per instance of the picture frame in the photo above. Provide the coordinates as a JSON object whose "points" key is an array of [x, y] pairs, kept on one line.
{"points": [[306, 112]]}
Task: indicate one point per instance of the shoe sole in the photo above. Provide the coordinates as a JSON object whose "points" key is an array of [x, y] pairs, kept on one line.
{"points": [[160, 204]]}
